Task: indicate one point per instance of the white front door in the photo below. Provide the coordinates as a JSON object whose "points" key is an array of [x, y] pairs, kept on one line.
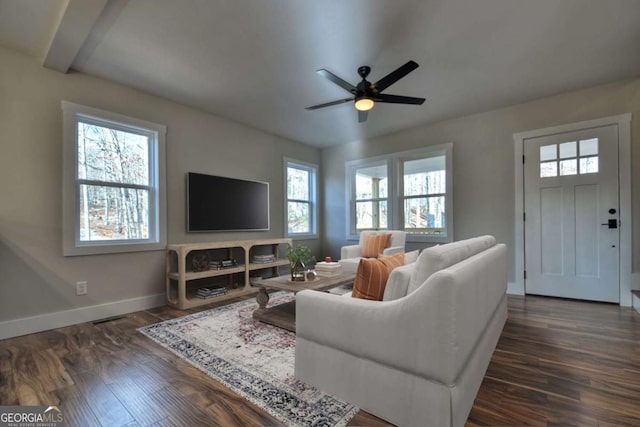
{"points": [[571, 214]]}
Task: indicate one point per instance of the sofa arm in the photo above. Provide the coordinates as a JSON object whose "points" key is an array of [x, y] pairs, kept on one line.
{"points": [[402, 334], [392, 250], [352, 251]]}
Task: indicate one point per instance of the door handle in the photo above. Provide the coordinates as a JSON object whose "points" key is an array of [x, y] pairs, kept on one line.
{"points": [[612, 223]]}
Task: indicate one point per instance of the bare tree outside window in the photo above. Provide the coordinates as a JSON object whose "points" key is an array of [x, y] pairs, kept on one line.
{"points": [[425, 195], [371, 198], [113, 183], [300, 198], [409, 190]]}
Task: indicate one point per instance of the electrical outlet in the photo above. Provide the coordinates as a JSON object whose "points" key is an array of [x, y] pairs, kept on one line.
{"points": [[81, 288]]}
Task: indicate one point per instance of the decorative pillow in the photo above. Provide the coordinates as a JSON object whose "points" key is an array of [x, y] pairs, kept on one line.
{"points": [[372, 275], [374, 244], [410, 257]]}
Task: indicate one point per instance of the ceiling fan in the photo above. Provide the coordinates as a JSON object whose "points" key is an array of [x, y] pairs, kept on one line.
{"points": [[366, 94]]}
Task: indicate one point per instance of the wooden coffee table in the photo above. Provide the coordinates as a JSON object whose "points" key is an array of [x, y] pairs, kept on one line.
{"points": [[284, 315]]}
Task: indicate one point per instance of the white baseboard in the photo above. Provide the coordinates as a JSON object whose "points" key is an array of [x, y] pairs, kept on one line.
{"points": [[59, 319], [635, 302], [514, 289]]}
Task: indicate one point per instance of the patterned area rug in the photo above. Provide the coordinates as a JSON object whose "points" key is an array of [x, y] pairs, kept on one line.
{"points": [[253, 359]]}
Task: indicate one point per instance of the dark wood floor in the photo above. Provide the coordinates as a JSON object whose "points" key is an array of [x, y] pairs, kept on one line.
{"points": [[558, 362]]}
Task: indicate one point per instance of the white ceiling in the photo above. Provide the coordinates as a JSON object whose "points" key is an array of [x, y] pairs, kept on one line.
{"points": [[254, 61]]}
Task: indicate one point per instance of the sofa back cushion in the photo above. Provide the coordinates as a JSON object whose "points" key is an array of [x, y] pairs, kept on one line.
{"points": [[440, 257], [411, 257]]}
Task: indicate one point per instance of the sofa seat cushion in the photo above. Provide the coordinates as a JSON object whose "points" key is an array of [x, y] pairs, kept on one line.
{"points": [[372, 275], [439, 257], [374, 244]]}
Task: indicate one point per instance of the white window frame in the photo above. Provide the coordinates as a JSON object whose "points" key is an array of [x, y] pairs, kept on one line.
{"points": [[312, 169], [395, 203], [352, 167], [72, 245]]}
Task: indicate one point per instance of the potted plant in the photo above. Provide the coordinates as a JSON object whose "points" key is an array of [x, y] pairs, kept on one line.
{"points": [[299, 257]]}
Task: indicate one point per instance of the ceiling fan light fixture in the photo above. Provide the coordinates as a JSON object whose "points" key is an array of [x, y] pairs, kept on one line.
{"points": [[364, 103]]}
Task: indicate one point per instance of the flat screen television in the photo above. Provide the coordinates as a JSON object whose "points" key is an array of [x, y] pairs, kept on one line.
{"points": [[217, 203]]}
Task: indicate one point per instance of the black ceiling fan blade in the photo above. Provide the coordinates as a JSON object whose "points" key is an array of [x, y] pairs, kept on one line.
{"points": [[397, 99], [337, 80], [362, 116], [329, 104], [394, 76]]}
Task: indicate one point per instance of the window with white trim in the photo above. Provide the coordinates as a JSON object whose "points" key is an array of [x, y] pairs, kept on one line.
{"points": [[301, 207], [410, 191], [424, 183], [370, 203], [114, 196]]}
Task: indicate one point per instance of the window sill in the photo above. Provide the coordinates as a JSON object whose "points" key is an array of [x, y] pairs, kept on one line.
{"points": [[72, 250], [308, 236], [428, 239]]}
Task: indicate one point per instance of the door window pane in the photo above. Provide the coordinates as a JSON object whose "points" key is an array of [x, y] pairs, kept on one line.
{"points": [[589, 165], [548, 152], [589, 147], [569, 167], [548, 169], [568, 149]]}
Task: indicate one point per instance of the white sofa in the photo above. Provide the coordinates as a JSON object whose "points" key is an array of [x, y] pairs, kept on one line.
{"points": [[417, 358], [350, 255]]}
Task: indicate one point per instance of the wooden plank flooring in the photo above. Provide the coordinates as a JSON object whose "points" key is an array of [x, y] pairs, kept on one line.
{"points": [[558, 362]]}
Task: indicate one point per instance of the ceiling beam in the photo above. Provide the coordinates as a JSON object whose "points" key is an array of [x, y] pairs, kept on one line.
{"points": [[75, 26]]}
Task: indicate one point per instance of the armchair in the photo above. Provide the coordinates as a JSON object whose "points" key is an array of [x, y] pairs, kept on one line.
{"points": [[350, 255]]}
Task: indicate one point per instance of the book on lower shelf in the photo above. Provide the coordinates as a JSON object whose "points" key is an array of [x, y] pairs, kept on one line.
{"points": [[211, 292], [220, 264], [264, 259]]}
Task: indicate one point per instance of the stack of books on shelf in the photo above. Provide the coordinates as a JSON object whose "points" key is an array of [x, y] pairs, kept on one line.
{"points": [[264, 259], [219, 264], [328, 269], [212, 292]]}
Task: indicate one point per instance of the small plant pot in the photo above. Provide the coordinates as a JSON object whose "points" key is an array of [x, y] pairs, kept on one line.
{"points": [[297, 272]]}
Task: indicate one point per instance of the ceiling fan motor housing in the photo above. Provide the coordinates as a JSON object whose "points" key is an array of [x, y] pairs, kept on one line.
{"points": [[364, 71]]}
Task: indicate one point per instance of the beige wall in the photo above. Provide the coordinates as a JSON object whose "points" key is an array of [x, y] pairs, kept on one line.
{"points": [[34, 276], [36, 279], [483, 163]]}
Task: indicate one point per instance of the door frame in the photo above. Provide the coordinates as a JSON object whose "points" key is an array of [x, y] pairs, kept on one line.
{"points": [[623, 122]]}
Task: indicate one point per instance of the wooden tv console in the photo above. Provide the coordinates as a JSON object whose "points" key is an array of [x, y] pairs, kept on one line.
{"points": [[183, 280]]}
